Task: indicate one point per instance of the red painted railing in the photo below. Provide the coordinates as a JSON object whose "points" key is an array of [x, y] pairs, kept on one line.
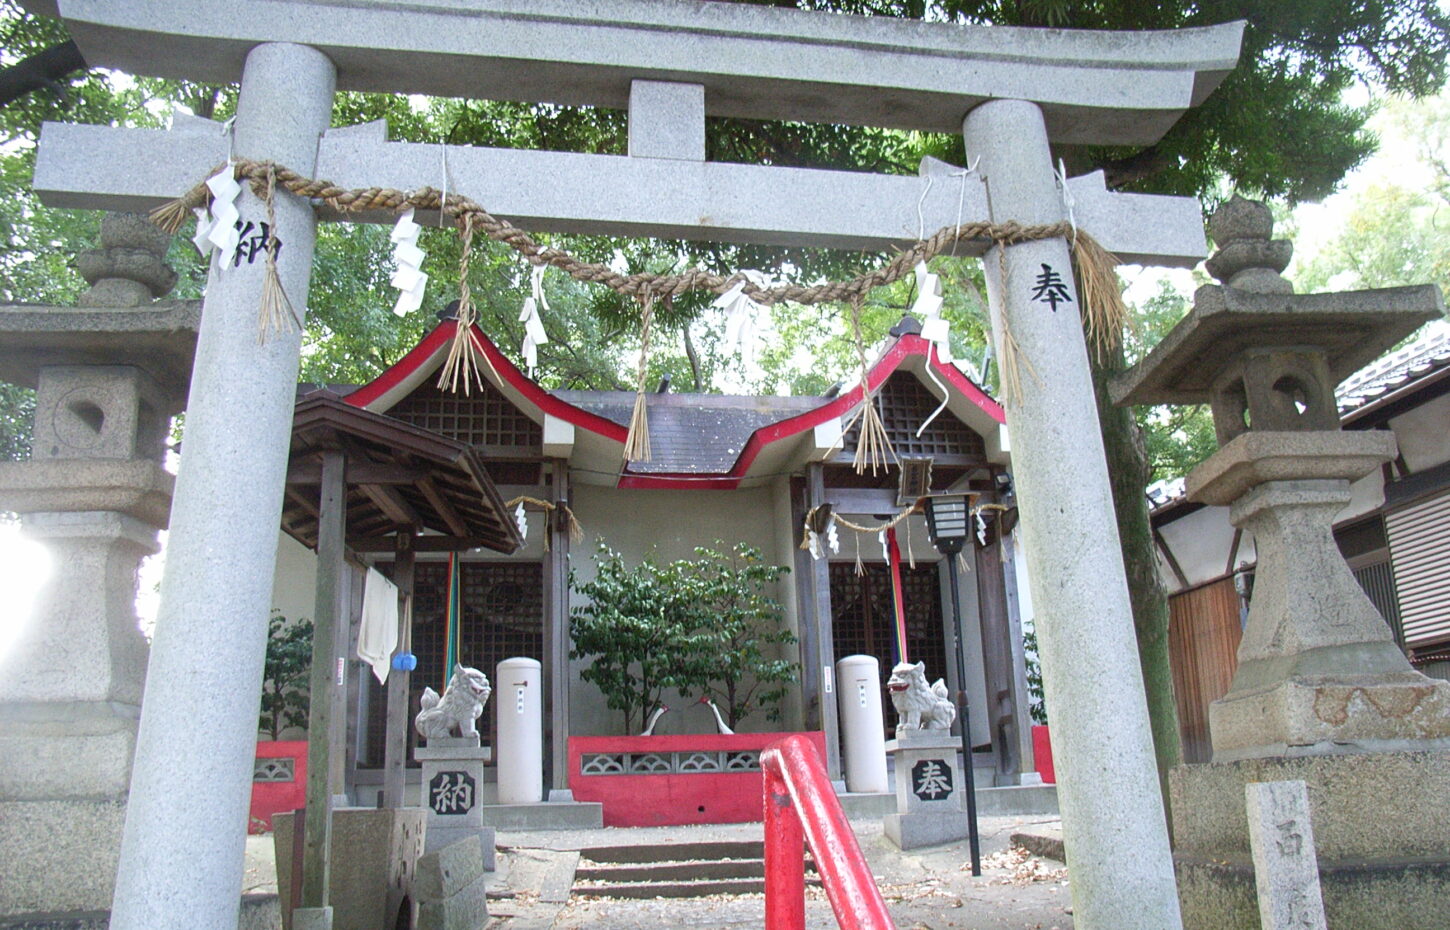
{"points": [[801, 807]]}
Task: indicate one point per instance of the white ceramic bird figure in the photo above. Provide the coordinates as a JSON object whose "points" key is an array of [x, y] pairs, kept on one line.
{"points": [[719, 720], [654, 718]]}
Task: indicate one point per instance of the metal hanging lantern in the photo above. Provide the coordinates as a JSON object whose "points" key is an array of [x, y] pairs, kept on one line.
{"points": [[946, 522]]}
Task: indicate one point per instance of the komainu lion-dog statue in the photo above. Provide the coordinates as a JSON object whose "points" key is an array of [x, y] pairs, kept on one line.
{"points": [[458, 709], [919, 707]]}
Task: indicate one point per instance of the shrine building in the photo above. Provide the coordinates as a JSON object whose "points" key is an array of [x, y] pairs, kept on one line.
{"points": [[724, 469]]}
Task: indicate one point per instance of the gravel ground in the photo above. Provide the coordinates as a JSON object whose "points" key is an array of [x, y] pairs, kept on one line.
{"points": [[924, 889], [930, 889]]}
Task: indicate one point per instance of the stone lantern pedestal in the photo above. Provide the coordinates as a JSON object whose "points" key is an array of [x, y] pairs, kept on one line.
{"points": [[108, 377], [1322, 694]]}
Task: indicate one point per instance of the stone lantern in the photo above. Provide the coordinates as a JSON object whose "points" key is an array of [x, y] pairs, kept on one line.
{"points": [[108, 376], [1322, 693]]}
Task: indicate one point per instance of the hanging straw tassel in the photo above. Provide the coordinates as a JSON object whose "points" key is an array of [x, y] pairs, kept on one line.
{"points": [[170, 215], [873, 446], [462, 361], [1011, 354], [636, 444], [276, 316], [1104, 314]]}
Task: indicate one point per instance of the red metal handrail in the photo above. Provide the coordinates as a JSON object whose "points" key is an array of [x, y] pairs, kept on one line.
{"points": [[801, 807]]}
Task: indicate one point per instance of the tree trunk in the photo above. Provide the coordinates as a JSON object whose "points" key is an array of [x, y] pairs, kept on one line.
{"points": [[1128, 472]]}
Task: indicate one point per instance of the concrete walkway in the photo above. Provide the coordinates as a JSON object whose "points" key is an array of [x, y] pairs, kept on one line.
{"points": [[930, 889]]}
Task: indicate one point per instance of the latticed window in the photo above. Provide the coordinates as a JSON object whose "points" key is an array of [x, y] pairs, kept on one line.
{"points": [[483, 418], [502, 616], [904, 404], [862, 622]]}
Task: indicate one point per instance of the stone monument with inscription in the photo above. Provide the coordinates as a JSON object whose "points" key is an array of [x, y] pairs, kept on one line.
{"points": [[1322, 694], [108, 376]]}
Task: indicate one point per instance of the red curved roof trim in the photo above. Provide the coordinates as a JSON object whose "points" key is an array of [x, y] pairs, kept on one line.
{"points": [[507, 370], [905, 347]]}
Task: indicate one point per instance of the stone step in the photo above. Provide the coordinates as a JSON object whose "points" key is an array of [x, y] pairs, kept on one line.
{"points": [[676, 852], [1010, 800], [699, 889], [673, 871], [546, 815]]}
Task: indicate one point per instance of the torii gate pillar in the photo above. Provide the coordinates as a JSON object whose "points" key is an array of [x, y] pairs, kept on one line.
{"points": [[1112, 811], [186, 807]]}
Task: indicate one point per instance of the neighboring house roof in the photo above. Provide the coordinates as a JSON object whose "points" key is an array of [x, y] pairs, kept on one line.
{"points": [[697, 440], [1408, 366], [1404, 371]]}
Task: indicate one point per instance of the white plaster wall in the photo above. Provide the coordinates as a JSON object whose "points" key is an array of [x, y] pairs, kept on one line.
{"points": [[786, 540], [1424, 434], [294, 581], [1201, 542], [665, 525]]}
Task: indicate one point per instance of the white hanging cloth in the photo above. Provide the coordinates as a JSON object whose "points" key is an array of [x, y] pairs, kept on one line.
{"points": [[377, 635]]}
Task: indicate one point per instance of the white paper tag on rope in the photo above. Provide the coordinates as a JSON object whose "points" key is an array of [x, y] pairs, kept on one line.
{"points": [[408, 275], [202, 239], [928, 295], [833, 538], [885, 552], [522, 519], [814, 542], [223, 232]]}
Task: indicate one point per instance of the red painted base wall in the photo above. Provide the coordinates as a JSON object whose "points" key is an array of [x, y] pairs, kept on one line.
{"points": [[675, 798], [275, 797], [1042, 752]]}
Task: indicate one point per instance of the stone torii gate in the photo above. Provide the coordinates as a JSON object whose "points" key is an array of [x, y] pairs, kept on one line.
{"points": [[1009, 91]]}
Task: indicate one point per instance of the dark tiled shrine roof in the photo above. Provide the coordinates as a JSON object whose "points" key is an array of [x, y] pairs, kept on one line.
{"points": [[693, 433]]}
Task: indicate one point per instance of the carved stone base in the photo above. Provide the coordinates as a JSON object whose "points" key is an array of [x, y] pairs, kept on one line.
{"points": [[60, 855], [1332, 714], [1379, 832]]}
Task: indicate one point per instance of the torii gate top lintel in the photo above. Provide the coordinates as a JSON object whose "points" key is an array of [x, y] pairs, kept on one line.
{"points": [[1094, 87]]}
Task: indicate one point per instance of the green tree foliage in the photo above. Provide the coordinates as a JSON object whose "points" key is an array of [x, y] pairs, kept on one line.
{"points": [[284, 675], [631, 628], [736, 626], [701, 626], [1397, 231]]}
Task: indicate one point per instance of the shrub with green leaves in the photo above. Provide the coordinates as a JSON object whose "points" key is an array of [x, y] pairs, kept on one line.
{"points": [[284, 675], [700, 626]]}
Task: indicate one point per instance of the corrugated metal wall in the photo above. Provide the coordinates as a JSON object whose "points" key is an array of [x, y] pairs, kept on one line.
{"points": [[1203, 641], [1420, 546]]}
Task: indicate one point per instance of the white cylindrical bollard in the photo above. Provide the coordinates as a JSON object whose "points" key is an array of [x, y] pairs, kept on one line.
{"points": [[858, 696], [520, 741]]}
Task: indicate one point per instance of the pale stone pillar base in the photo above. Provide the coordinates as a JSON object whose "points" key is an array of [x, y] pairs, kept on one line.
{"points": [[929, 790], [1379, 831], [453, 780]]}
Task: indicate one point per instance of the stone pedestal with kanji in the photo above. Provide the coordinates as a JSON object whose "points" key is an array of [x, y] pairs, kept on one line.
{"points": [[453, 793], [1322, 694], [930, 790]]}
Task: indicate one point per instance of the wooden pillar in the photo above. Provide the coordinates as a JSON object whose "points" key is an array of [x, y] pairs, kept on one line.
{"points": [[328, 615], [817, 614], [395, 746], [556, 633], [805, 613], [1003, 704]]}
